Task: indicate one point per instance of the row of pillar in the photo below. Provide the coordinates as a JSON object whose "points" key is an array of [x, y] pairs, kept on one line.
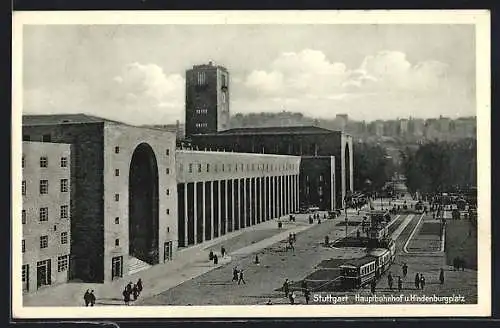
{"points": [[210, 209]]}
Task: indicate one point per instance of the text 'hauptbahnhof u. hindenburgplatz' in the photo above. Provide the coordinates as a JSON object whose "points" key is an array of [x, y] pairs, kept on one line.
{"points": [[101, 198]]}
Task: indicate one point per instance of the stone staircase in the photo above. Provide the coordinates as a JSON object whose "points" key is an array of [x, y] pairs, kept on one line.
{"points": [[135, 265]]}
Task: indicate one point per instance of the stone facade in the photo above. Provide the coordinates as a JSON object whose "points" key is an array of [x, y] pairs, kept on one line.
{"points": [[207, 99], [220, 192], [45, 214]]}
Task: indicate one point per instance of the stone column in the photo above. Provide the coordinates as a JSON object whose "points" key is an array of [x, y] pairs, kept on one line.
{"points": [[186, 215], [195, 212]]}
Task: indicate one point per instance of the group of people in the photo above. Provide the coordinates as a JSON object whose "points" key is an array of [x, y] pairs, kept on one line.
{"points": [[292, 238], [132, 291], [317, 217], [238, 276], [89, 298], [390, 282], [291, 294], [419, 281]]}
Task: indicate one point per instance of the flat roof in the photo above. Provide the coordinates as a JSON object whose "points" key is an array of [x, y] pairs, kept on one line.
{"points": [[359, 261], [273, 130]]}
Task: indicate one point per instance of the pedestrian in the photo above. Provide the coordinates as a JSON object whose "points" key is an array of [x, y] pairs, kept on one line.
{"points": [[405, 270], [400, 284], [389, 280], [292, 298], [211, 255], [455, 264], [92, 298], [327, 240], [291, 245], [422, 281], [135, 292], [222, 251], [417, 281], [269, 302], [241, 278], [286, 287], [256, 259], [373, 285], [235, 274], [86, 297], [126, 296], [139, 285], [129, 288], [216, 259], [441, 276], [307, 296]]}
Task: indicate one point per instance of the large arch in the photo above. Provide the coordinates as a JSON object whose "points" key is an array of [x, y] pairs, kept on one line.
{"points": [[143, 205]]}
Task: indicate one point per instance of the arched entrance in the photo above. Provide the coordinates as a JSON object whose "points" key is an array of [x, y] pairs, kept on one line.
{"points": [[143, 205], [347, 165]]}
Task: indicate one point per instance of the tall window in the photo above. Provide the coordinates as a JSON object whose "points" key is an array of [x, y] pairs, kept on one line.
{"points": [[199, 167], [24, 217], [190, 167], [168, 152], [64, 185], [117, 150], [202, 78], [22, 162], [23, 246], [117, 172], [64, 237], [64, 212], [44, 214], [24, 187], [208, 167], [44, 186], [117, 197], [44, 241], [62, 263], [44, 162], [168, 170], [64, 162]]}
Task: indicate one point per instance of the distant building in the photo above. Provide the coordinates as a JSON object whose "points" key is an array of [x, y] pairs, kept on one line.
{"points": [[207, 99], [403, 126], [341, 121], [46, 219]]}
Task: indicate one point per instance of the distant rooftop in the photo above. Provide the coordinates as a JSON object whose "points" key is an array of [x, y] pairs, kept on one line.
{"points": [[275, 130], [64, 118]]}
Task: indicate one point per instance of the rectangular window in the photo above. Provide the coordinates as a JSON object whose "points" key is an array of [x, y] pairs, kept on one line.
{"points": [[208, 167], [168, 191], [199, 167], [64, 185], [22, 162], [44, 241], [168, 211], [44, 187], [64, 212], [23, 217], [168, 152], [23, 187], [64, 237], [64, 162], [321, 178], [117, 220], [117, 242], [190, 168], [25, 273], [23, 246], [46, 138], [117, 172], [222, 167], [44, 162], [117, 150], [62, 263], [117, 197], [44, 214], [26, 137], [168, 170]]}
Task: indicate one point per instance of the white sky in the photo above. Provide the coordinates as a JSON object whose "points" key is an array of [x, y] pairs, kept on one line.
{"points": [[135, 73]]}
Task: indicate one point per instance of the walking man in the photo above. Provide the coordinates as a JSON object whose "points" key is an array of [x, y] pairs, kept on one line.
{"points": [[390, 280], [126, 296], [441, 276], [92, 298], [400, 284], [286, 287], [139, 286], [422, 281], [417, 281], [86, 298], [235, 274], [307, 296], [241, 278], [405, 270]]}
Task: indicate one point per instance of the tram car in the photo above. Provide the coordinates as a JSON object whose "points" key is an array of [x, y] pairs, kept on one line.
{"points": [[359, 272]]}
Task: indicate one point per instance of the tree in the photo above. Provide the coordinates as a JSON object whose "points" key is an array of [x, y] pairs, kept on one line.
{"points": [[372, 164]]}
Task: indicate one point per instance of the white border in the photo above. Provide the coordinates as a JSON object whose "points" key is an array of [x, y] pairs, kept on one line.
{"points": [[480, 18]]}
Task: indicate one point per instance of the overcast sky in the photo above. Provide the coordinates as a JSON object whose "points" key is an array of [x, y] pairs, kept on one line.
{"points": [[135, 73]]}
